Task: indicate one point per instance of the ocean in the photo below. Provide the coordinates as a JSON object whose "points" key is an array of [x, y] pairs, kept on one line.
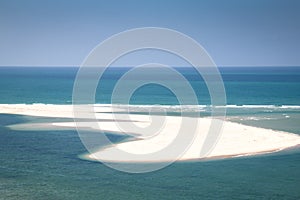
{"points": [[46, 164]]}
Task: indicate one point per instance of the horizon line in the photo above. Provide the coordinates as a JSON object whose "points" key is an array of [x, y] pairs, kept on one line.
{"points": [[77, 66]]}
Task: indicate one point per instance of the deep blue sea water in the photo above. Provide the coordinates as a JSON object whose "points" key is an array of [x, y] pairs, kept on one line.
{"points": [[45, 164], [244, 86]]}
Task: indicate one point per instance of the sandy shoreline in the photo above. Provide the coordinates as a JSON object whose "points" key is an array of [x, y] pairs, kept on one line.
{"points": [[235, 140]]}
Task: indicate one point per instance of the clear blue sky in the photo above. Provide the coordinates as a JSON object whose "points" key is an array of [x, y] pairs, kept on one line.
{"points": [[234, 32]]}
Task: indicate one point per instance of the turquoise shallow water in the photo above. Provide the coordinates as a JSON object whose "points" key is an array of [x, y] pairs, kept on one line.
{"points": [[45, 164]]}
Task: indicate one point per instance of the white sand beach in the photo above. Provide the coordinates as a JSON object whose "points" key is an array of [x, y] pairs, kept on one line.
{"points": [[235, 139]]}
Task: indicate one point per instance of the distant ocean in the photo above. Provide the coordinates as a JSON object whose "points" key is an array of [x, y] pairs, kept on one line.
{"points": [[45, 164]]}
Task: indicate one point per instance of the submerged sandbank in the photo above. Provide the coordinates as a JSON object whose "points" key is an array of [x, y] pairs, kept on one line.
{"points": [[235, 139]]}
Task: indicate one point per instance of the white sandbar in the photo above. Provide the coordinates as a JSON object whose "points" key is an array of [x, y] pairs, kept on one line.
{"points": [[235, 139]]}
